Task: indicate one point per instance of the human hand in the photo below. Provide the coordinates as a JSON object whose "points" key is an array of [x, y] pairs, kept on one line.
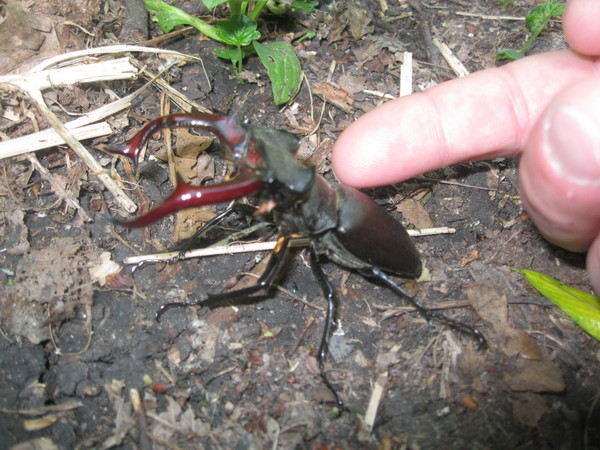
{"points": [[544, 107]]}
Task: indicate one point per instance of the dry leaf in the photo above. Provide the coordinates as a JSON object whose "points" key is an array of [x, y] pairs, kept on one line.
{"points": [[527, 370], [16, 241], [334, 95], [415, 213], [39, 423], [188, 221], [349, 15], [191, 145], [352, 83], [193, 166], [470, 402], [318, 159], [529, 409], [471, 256], [534, 376], [118, 281], [518, 342], [41, 443], [490, 306], [53, 280], [102, 268]]}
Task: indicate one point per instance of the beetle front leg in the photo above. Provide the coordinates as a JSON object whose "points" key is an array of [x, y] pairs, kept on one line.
{"points": [[246, 295], [429, 314], [330, 323]]}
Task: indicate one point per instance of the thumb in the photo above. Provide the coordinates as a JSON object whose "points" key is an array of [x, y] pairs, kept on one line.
{"points": [[560, 171]]}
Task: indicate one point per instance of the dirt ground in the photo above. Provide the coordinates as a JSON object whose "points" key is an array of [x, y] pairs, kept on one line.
{"points": [[77, 350]]}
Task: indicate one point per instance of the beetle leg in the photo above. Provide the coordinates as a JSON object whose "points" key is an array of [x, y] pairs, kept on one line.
{"points": [[330, 323], [225, 128], [429, 314], [246, 295], [236, 207], [242, 208]]}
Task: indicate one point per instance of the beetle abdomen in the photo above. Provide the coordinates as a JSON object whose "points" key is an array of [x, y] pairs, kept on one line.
{"points": [[371, 235]]}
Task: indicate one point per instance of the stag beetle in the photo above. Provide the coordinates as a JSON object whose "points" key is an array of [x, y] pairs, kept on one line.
{"points": [[342, 223]]}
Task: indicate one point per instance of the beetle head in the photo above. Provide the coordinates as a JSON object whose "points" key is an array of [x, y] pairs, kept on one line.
{"points": [[262, 158]]}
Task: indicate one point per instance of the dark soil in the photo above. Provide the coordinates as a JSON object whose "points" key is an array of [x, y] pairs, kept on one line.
{"points": [[74, 353]]}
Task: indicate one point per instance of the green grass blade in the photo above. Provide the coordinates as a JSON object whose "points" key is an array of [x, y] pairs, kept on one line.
{"points": [[583, 308]]}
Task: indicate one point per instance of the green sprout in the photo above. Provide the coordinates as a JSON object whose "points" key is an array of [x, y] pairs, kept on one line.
{"points": [[240, 35], [506, 4], [536, 21]]}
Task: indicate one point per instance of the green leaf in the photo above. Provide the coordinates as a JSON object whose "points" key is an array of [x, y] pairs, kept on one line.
{"points": [[239, 30], [210, 4], [283, 67], [583, 308], [539, 16], [231, 53], [511, 55], [308, 34], [168, 17], [234, 5], [307, 7], [235, 54]]}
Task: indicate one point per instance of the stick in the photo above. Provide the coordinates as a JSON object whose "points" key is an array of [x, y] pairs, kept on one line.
{"points": [[253, 247]]}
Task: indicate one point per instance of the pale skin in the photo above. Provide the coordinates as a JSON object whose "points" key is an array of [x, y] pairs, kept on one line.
{"points": [[544, 108]]}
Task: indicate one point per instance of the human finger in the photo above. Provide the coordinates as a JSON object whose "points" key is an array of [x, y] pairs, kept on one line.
{"points": [[485, 115], [559, 173], [580, 24]]}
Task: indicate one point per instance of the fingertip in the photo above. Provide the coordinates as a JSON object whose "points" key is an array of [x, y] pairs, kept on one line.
{"points": [[355, 156], [389, 144], [345, 155], [560, 169], [580, 24]]}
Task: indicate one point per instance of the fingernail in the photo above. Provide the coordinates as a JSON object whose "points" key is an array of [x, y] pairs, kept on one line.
{"points": [[572, 145]]}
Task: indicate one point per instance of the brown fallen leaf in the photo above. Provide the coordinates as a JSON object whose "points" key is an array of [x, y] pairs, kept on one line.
{"points": [[471, 256], [255, 358], [414, 212], [526, 370], [39, 423], [190, 145], [352, 17], [518, 342], [534, 376], [490, 306], [318, 159], [192, 166], [334, 95], [528, 409], [352, 83], [469, 401], [118, 281]]}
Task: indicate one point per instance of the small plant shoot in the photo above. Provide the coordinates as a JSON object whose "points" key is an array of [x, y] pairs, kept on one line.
{"points": [[239, 34], [536, 21]]}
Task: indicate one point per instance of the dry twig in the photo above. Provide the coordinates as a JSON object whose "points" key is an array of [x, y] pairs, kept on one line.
{"points": [[43, 77]]}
